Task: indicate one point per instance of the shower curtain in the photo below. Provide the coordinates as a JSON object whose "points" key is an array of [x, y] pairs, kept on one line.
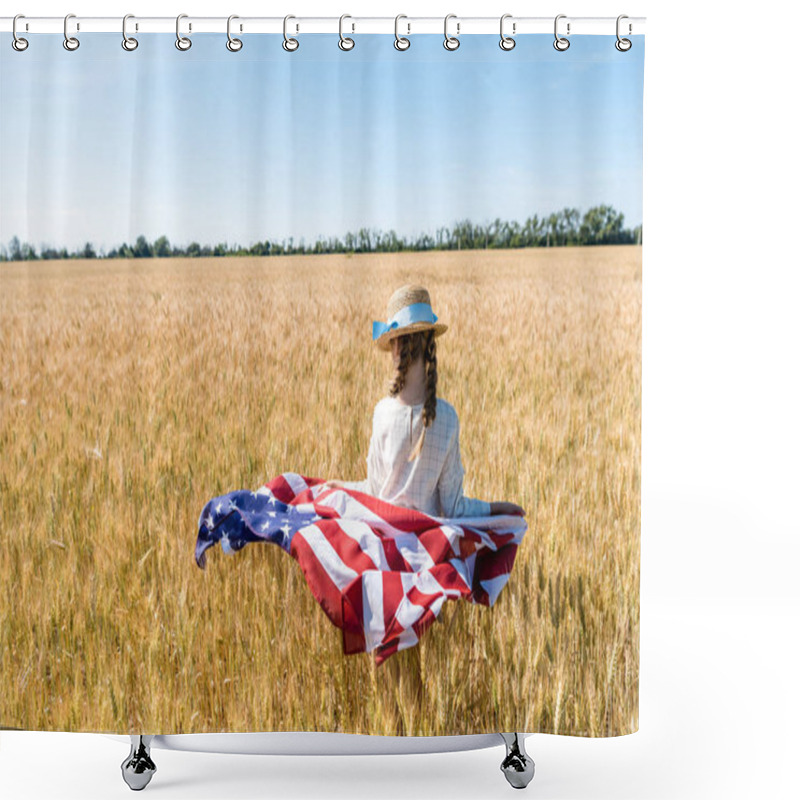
{"points": [[367, 316]]}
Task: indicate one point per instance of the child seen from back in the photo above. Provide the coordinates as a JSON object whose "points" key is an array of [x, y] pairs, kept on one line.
{"points": [[414, 458]]}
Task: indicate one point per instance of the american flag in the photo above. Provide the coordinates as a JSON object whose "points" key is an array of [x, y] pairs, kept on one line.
{"points": [[381, 572]]}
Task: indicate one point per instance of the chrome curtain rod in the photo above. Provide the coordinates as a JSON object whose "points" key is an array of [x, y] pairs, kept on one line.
{"points": [[513, 26]]}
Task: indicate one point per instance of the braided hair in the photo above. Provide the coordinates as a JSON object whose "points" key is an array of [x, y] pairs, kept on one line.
{"points": [[412, 346]]}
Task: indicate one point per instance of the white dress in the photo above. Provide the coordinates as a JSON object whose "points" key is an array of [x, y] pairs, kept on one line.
{"points": [[431, 483]]}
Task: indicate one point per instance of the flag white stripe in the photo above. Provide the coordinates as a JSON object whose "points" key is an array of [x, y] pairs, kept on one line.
{"points": [[494, 585], [464, 570], [372, 601], [413, 551], [348, 507], [367, 541], [407, 612], [296, 482], [327, 556]]}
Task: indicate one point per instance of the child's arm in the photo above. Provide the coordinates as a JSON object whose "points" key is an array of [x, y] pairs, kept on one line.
{"points": [[451, 486], [507, 508]]}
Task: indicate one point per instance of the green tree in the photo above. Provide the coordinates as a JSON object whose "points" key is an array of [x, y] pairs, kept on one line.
{"points": [[161, 247], [142, 248], [552, 230], [601, 225]]}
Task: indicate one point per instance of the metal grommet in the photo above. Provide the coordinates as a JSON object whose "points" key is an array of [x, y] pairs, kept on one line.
{"points": [[128, 42], [400, 42], [18, 43], [181, 42], [345, 43], [506, 42], [623, 45], [561, 43], [451, 42], [289, 44], [70, 42], [233, 44]]}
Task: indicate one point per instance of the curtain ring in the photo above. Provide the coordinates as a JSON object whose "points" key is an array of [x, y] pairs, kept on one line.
{"points": [[233, 44], [345, 43], [400, 42], [128, 42], [451, 42], [506, 42], [561, 44], [623, 45], [181, 42], [289, 44], [70, 42], [18, 43]]}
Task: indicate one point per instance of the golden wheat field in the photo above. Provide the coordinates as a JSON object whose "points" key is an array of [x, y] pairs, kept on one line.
{"points": [[135, 391]]}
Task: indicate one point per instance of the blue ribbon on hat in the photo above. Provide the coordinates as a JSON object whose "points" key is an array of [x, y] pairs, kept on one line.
{"points": [[416, 312]]}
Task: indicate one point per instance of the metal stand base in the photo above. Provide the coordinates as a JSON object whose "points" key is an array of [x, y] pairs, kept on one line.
{"points": [[138, 768], [517, 766]]}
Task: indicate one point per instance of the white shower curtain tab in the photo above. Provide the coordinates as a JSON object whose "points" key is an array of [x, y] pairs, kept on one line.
{"points": [[593, 26]]}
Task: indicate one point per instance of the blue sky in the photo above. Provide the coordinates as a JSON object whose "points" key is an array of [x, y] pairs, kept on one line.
{"points": [[102, 145]]}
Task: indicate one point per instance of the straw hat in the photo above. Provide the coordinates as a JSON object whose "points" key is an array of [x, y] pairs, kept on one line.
{"points": [[408, 311]]}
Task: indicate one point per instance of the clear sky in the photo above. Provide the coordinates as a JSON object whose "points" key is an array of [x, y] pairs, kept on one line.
{"points": [[101, 145]]}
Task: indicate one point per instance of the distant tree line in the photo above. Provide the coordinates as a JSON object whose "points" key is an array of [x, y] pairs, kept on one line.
{"points": [[599, 225]]}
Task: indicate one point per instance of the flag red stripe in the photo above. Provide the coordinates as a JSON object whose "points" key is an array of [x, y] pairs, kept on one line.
{"points": [[281, 489], [353, 640], [491, 565], [325, 591], [407, 520], [449, 579], [392, 595], [437, 544], [345, 546], [424, 622]]}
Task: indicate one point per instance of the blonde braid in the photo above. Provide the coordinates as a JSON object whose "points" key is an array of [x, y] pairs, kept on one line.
{"points": [[402, 368], [429, 409]]}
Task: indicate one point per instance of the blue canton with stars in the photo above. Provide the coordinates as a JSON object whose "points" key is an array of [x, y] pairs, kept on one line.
{"points": [[240, 517]]}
